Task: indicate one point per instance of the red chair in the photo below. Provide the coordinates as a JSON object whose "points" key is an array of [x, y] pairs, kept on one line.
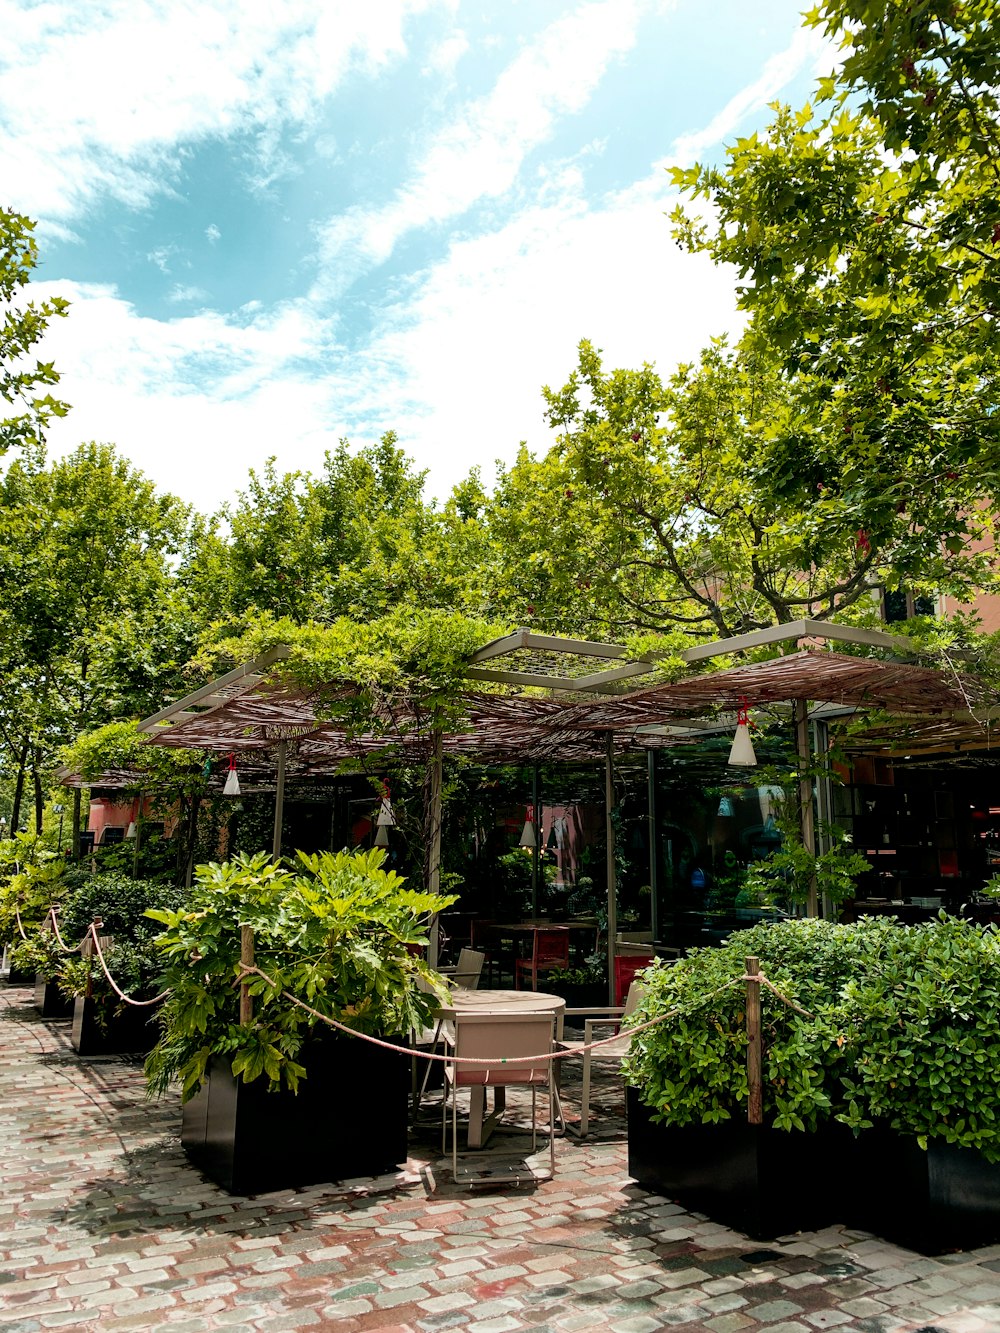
{"points": [[550, 948], [626, 966]]}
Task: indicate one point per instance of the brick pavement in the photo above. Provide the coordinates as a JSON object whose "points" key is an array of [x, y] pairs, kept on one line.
{"points": [[103, 1225]]}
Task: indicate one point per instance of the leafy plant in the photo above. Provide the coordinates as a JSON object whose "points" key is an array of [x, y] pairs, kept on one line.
{"points": [[341, 933], [922, 1031], [691, 1068], [30, 876], [900, 1029]]}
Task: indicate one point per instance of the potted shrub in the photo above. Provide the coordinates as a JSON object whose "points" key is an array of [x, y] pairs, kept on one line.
{"points": [[688, 1134], [921, 1028], [583, 987], [103, 1023], [284, 1100], [899, 1048], [30, 881]]}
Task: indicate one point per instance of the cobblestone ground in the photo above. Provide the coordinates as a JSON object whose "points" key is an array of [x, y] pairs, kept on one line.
{"points": [[103, 1225]]}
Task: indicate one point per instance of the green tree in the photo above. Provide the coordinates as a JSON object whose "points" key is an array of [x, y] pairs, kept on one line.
{"points": [[866, 236], [24, 385], [92, 624], [356, 541]]}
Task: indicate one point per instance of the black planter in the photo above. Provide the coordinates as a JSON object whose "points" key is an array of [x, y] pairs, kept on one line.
{"points": [[348, 1119], [761, 1181], [19, 976], [49, 999], [580, 995], [134, 1030], [944, 1198]]}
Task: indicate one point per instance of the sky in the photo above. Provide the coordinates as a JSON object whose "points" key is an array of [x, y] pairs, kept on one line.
{"points": [[282, 225]]}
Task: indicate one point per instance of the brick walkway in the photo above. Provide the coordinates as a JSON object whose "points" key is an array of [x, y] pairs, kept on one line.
{"points": [[103, 1225]]}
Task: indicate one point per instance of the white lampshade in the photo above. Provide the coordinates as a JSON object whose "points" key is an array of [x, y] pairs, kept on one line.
{"points": [[130, 832], [742, 754], [382, 835], [386, 818], [529, 834], [232, 787]]}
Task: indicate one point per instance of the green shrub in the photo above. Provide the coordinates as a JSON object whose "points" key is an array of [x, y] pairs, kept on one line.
{"points": [[339, 933], [903, 1030], [692, 1068]]}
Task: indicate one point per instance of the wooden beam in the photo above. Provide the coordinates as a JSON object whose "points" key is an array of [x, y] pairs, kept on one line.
{"points": [[249, 673], [497, 647], [609, 805], [797, 629]]}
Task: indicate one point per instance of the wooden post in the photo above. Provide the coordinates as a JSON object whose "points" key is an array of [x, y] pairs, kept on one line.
{"points": [[246, 958], [434, 837], [755, 1100], [654, 846], [87, 950], [807, 817], [279, 801], [536, 850], [609, 805], [192, 840], [77, 803], [138, 836]]}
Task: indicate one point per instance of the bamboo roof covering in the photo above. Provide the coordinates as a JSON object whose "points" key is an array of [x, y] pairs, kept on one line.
{"points": [[249, 712]]}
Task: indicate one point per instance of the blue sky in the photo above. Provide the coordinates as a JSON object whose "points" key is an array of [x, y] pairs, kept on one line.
{"points": [[283, 225]]}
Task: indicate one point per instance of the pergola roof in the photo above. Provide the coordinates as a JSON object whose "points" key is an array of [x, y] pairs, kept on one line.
{"points": [[248, 711]]}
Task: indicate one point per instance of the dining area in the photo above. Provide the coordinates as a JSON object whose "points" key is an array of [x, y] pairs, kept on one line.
{"points": [[511, 1064]]}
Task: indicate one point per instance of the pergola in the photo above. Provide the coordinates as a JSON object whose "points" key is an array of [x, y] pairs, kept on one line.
{"points": [[581, 708]]}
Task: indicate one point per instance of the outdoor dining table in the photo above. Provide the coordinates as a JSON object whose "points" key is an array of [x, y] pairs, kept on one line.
{"points": [[498, 1002]]}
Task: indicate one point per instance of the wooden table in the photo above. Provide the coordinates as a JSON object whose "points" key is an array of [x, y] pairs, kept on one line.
{"points": [[498, 1002]]}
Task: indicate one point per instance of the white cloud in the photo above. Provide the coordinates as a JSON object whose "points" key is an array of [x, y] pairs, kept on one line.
{"points": [[480, 153], [807, 48], [95, 98], [462, 365], [213, 233], [446, 54], [457, 369], [180, 294]]}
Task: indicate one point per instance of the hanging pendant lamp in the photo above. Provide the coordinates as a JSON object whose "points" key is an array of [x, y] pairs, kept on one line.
{"points": [[130, 832], [232, 787], [529, 834], [742, 754]]}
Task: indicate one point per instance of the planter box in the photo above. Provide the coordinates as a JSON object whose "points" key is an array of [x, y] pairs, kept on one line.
{"points": [[580, 995], [946, 1198], [761, 1181], [49, 999], [135, 1030], [348, 1119]]}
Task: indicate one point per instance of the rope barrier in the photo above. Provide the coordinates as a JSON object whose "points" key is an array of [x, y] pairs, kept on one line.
{"points": [[584, 1048], [480, 1060], [59, 939], [783, 998], [17, 918], [139, 1004]]}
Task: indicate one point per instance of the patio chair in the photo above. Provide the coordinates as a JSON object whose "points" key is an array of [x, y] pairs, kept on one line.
{"points": [[465, 974], [596, 1020], [549, 949], [499, 1037], [467, 971]]}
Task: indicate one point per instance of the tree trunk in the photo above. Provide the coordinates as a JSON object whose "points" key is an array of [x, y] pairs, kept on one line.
{"points": [[77, 805], [15, 814], [36, 778]]}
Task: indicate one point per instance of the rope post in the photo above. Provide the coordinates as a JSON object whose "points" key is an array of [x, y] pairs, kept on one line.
{"points": [[246, 958], [755, 1099], [87, 949]]}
